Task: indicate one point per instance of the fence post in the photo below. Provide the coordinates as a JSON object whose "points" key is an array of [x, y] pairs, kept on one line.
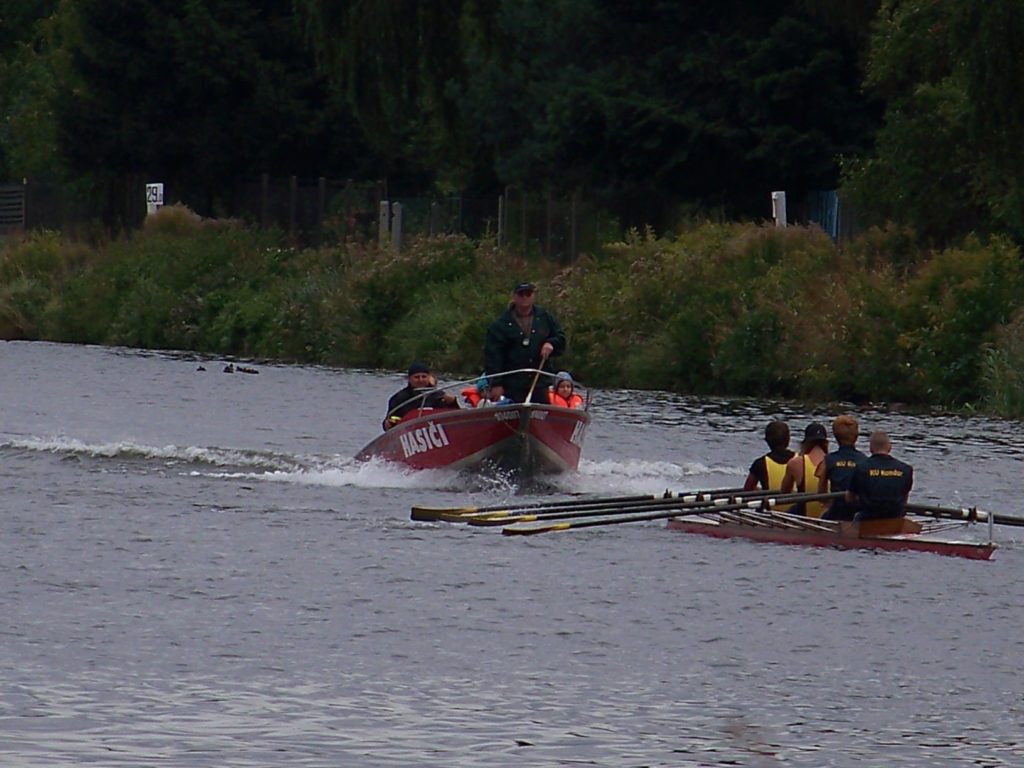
{"points": [[396, 227], [779, 208], [434, 208], [321, 201], [522, 218], [264, 195], [501, 218], [548, 213], [293, 197], [383, 223], [572, 229]]}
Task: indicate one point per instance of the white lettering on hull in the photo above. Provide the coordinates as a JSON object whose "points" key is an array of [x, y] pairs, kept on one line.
{"points": [[577, 434], [423, 439]]}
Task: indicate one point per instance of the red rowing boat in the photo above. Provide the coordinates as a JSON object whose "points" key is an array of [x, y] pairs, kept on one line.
{"points": [[893, 535], [524, 438]]}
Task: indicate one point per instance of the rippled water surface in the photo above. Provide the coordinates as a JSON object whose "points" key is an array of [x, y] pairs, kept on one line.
{"points": [[195, 573]]}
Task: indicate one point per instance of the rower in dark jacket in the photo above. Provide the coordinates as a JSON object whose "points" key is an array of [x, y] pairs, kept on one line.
{"points": [[525, 336], [835, 473], [881, 484]]}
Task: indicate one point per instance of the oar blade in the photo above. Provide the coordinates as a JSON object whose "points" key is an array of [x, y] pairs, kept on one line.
{"points": [[433, 514], [529, 529]]}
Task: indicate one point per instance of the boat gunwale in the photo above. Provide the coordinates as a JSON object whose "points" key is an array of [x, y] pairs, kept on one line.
{"points": [[710, 526]]}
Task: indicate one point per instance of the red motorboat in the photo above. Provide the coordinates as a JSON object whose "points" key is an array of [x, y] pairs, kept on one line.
{"points": [[524, 438]]}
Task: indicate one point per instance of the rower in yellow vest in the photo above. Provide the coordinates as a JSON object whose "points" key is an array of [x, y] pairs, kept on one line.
{"points": [[767, 471], [801, 470]]}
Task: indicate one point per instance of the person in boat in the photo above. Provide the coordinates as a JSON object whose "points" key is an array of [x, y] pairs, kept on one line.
{"points": [[563, 391], [474, 395], [525, 336], [481, 395], [836, 471], [419, 392], [882, 483], [492, 396], [767, 471], [801, 469]]}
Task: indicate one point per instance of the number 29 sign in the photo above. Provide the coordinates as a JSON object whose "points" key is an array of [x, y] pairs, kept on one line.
{"points": [[154, 197]]}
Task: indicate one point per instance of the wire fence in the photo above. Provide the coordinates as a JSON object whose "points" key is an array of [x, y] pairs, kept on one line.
{"points": [[321, 211]]}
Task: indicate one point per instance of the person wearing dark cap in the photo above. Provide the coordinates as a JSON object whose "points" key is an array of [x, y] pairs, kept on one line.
{"points": [[418, 393], [800, 470], [837, 470], [525, 336], [882, 483], [767, 471]]}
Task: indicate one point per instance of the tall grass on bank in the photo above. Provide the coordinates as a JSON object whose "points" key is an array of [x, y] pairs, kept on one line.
{"points": [[735, 309]]}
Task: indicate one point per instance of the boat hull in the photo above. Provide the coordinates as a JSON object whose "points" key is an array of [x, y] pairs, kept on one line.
{"points": [[834, 539], [523, 438]]}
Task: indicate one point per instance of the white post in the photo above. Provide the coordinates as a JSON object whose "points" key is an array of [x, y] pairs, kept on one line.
{"points": [[383, 223], [779, 208], [396, 227], [154, 197]]}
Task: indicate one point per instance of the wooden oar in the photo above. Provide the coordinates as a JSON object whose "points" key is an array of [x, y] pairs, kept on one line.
{"points": [[963, 513], [536, 376], [680, 502], [429, 514], [528, 529]]}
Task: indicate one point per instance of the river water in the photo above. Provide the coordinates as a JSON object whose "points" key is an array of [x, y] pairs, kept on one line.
{"points": [[196, 573]]}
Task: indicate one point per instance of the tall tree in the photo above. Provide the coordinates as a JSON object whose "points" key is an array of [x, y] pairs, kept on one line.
{"points": [[667, 101], [197, 93], [27, 83], [396, 61], [948, 159]]}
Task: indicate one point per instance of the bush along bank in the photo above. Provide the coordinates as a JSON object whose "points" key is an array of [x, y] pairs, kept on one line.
{"points": [[730, 309]]}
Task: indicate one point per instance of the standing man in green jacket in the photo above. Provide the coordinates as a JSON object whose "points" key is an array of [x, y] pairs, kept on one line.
{"points": [[525, 336]]}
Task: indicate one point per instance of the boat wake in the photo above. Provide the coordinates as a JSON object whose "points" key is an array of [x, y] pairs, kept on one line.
{"points": [[128, 450], [626, 476], [633, 476]]}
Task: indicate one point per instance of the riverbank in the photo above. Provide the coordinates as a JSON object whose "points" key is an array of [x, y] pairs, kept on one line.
{"points": [[731, 309]]}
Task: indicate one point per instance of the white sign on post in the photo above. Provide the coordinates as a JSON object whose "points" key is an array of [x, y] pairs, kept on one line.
{"points": [[154, 197], [779, 209]]}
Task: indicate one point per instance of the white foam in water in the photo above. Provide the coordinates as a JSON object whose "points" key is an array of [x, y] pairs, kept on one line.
{"points": [[131, 450], [635, 476], [629, 476], [367, 474]]}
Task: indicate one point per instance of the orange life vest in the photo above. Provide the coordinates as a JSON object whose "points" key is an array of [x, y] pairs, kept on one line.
{"points": [[574, 401], [471, 396]]}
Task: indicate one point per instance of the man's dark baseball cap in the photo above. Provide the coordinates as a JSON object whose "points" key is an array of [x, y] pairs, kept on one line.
{"points": [[418, 367], [815, 431], [525, 285]]}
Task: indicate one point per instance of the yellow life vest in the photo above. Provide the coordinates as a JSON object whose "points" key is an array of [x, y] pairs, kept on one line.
{"points": [[811, 508], [775, 472]]}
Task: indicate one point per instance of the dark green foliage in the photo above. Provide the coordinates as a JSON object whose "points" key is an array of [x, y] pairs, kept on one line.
{"points": [[720, 309], [197, 95], [948, 160]]}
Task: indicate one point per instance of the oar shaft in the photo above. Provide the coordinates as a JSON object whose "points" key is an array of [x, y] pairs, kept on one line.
{"points": [[438, 513], [527, 529], [709, 500], [963, 513]]}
